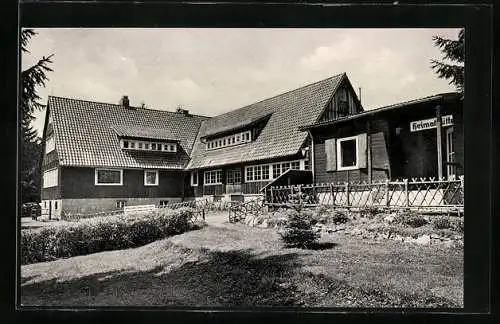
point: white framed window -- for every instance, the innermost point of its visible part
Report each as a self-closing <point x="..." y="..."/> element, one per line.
<point x="295" y="165"/>
<point x="347" y="153"/>
<point x="151" y="177"/>
<point x="276" y="170"/>
<point x="194" y="178"/>
<point x="139" y="145"/>
<point x="230" y="140"/>
<point x="257" y="172"/>
<point x="50" y="144"/>
<point x="233" y="176"/>
<point x="50" y="178"/>
<point x="108" y="177"/>
<point x="213" y="177"/>
<point x="266" y="172"/>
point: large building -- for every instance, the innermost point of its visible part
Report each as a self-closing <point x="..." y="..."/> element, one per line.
<point x="102" y="156"/>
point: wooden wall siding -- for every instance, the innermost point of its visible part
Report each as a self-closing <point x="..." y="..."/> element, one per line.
<point x="380" y="152"/>
<point x="216" y="190"/>
<point x="332" y="111"/>
<point x="246" y="187"/>
<point x="50" y="160"/>
<point x="233" y="188"/>
<point x="250" y="188"/>
<point x="79" y="183"/>
<point x="51" y="193"/>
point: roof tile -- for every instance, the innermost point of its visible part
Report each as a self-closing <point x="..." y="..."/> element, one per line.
<point x="85" y="134"/>
<point x="279" y="138"/>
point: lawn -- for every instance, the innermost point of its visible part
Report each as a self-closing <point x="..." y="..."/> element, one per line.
<point x="233" y="265"/>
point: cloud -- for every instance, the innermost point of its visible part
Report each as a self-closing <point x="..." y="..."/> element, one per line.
<point x="211" y="71"/>
<point x="323" y="55"/>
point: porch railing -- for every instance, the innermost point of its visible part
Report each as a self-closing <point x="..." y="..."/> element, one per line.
<point x="406" y="193"/>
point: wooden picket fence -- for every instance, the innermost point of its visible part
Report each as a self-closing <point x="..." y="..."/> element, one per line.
<point x="239" y="210"/>
<point x="415" y="193"/>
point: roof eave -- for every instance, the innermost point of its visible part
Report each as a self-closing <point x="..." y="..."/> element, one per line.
<point x="440" y="97"/>
<point x="238" y="127"/>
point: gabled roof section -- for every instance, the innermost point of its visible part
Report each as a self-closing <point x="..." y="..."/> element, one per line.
<point x="129" y="131"/>
<point x="442" y="97"/>
<point x="85" y="134"/>
<point x="279" y="138"/>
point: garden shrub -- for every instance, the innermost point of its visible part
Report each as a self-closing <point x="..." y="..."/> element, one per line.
<point x="339" y="217"/>
<point x="104" y="234"/>
<point x="410" y="218"/>
<point x="368" y="212"/>
<point x="415" y="221"/>
<point x="441" y="223"/>
<point x="298" y="230"/>
<point x="458" y="226"/>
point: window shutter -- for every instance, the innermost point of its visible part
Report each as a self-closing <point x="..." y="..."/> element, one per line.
<point x="362" y="150"/>
<point x="331" y="154"/>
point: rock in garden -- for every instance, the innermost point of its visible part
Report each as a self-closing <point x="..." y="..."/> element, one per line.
<point x="389" y="219"/>
<point x="423" y="240"/>
<point x="409" y="239"/>
<point x="263" y="224"/>
<point x="449" y="243"/>
<point x="435" y="236"/>
<point x="356" y="231"/>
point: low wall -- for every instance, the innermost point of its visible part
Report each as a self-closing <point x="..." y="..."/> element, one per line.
<point x="96" y="205"/>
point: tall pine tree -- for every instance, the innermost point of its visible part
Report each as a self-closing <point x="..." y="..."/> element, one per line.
<point x="31" y="78"/>
<point x="454" y="53"/>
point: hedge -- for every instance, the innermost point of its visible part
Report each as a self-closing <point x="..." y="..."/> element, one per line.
<point x="104" y="234"/>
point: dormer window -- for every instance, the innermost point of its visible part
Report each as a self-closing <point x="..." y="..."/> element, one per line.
<point x="230" y="140"/>
<point x="147" y="146"/>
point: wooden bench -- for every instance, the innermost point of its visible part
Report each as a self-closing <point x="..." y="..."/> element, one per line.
<point x="127" y="210"/>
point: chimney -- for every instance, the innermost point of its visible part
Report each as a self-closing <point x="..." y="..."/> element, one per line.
<point x="180" y="110"/>
<point x="125" y="102"/>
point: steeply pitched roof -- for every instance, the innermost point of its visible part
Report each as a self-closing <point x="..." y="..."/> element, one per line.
<point x="85" y="134"/>
<point x="280" y="137"/>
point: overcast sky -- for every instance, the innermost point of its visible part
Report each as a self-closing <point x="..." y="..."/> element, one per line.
<point x="211" y="71"/>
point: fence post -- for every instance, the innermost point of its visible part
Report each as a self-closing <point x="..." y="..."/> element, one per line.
<point x="347" y="192"/>
<point x="271" y="200"/>
<point x="300" y="194"/>
<point x="407" y="195"/>
<point x="387" y="192"/>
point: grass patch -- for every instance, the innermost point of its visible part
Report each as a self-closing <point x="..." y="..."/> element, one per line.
<point x="240" y="266"/>
<point x="103" y="234"/>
